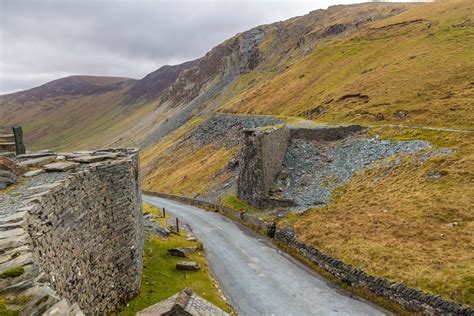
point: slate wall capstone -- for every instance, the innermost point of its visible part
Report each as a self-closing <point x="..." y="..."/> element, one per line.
<point x="412" y="299"/>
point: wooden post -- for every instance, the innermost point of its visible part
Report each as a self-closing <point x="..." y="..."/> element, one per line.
<point x="177" y="225"/>
<point x="164" y="213"/>
<point x="19" y="145"/>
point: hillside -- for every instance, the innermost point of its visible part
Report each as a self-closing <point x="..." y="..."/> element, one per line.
<point x="413" y="69"/>
<point x="405" y="71"/>
<point x="84" y="111"/>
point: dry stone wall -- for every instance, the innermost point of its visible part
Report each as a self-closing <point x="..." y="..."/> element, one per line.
<point x="263" y="152"/>
<point x="411" y="299"/>
<point x="82" y="241"/>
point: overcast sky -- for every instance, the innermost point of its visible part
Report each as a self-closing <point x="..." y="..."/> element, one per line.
<point x="42" y="40"/>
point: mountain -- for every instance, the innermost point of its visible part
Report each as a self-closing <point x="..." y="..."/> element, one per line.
<point x="403" y="70"/>
<point x="82" y="111"/>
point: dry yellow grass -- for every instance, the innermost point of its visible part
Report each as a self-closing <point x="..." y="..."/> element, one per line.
<point x="399" y="223"/>
<point x="185" y="172"/>
<point x="420" y="62"/>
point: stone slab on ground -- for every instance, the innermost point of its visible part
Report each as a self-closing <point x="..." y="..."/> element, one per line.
<point x="61" y="166"/>
<point x="182" y="252"/>
<point x="37" y="162"/>
<point x="187" y="266"/>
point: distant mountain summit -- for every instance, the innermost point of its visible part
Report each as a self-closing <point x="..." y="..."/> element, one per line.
<point x="69" y="86"/>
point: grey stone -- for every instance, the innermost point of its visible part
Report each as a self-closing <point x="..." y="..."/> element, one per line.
<point x="38" y="162"/>
<point x="34" y="155"/>
<point x="92" y="158"/>
<point x="33" y="173"/>
<point x="182" y="251"/>
<point x="187" y="266"/>
<point x="60" y="166"/>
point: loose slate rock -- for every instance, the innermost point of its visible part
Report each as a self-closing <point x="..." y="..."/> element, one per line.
<point x="187" y="266"/>
<point x="182" y="251"/>
<point x="7" y="178"/>
<point x="34" y="155"/>
<point x="33" y="173"/>
<point x="60" y="166"/>
<point x="38" y="162"/>
<point x="91" y="159"/>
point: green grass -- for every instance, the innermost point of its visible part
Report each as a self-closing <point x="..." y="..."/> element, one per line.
<point x="233" y="202"/>
<point x="4" y="311"/>
<point x="11" y="273"/>
<point x="160" y="279"/>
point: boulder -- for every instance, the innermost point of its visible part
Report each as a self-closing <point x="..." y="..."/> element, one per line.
<point x="11" y="165"/>
<point x="60" y="166"/>
<point x="182" y="251"/>
<point x="187" y="266"/>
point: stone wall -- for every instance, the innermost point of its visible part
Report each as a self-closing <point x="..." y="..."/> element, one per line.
<point x="84" y="240"/>
<point x="325" y="133"/>
<point x="411" y="299"/>
<point x="263" y="152"/>
<point x="261" y="158"/>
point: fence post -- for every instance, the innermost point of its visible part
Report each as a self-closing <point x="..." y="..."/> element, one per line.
<point x="177" y="225"/>
<point x="19" y="145"/>
<point x="164" y="213"/>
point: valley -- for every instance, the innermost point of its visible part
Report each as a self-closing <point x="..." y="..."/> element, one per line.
<point x="392" y="198"/>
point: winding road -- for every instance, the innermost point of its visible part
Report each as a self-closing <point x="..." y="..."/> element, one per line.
<point x="258" y="278"/>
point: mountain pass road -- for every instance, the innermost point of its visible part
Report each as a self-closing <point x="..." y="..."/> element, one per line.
<point x="256" y="277"/>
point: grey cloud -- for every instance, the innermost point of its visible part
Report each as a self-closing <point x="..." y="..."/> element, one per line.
<point x="45" y="40"/>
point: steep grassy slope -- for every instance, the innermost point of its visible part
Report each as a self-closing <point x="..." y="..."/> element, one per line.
<point x="414" y="68"/>
<point x="410" y="221"/>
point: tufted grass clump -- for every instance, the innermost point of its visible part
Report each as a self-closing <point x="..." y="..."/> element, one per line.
<point x="12" y="273"/>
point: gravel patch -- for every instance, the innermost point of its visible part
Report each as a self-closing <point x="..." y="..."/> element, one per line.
<point x="316" y="168"/>
<point x="227" y="128"/>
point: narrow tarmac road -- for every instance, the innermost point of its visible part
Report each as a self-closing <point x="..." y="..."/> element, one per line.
<point x="257" y="278"/>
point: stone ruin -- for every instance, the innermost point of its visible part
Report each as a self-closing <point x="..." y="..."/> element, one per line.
<point x="71" y="235"/>
<point x="263" y="152"/>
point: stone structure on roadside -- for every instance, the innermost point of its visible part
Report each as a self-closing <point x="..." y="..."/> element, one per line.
<point x="184" y="303"/>
<point x="71" y="235"/>
<point x="262" y="155"/>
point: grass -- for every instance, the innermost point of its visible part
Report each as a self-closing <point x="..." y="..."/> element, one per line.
<point x="187" y="172"/>
<point x="233" y="202"/>
<point x="395" y="221"/>
<point x="429" y="79"/>
<point x="4" y="311"/>
<point x="12" y="273"/>
<point x="160" y="279"/>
